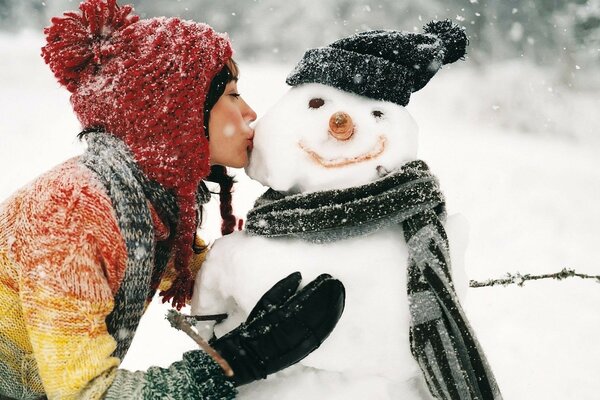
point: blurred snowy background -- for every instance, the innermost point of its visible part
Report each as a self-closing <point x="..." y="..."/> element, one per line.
<point x="542" y="56"/>
<point x="513" y="133"/>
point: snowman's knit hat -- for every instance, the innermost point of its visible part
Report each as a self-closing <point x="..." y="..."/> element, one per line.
<point x="144" y="81"/>
<point x="383" y="64"/>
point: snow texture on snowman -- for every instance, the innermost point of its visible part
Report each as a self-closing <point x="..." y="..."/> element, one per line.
<point x="348" y="197"/>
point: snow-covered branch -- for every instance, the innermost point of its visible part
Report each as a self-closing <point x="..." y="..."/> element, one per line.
<point x="519" y="279"/>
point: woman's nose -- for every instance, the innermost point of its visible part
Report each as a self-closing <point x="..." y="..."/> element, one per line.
<point x="249" y="114"/>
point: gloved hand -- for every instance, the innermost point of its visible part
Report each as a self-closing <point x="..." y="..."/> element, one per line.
<point x="284" y="327"/>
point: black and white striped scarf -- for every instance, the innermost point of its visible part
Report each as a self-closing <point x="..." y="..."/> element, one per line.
<point x="441" y="339"/>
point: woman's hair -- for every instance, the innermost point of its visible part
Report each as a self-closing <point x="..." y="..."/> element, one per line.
<point x="218" y="173"/>
<point x="229" y="72"/>
<point x="233" y="69"/>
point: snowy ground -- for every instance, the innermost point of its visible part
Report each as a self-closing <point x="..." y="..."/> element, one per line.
<point x="531" y="199"/>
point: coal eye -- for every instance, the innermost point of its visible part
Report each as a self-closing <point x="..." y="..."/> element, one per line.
<point x="316" y="102"/>
<point x="377" y="114"/>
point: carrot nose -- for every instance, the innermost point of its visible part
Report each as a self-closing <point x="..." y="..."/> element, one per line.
<point x="341" y="126"/>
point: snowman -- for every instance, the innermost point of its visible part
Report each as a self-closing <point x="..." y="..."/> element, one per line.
<point x="349" y="197"/>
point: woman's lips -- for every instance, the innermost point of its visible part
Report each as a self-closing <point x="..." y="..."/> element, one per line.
<point x="250" y="141"/>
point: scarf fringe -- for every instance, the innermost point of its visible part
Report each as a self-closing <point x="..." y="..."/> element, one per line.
<point x="180" y="291"/>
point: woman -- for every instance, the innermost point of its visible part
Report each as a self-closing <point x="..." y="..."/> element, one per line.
<point x="85" y="246"/>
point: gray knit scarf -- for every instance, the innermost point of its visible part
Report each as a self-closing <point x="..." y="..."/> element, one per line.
<point x="130" y="190"/>
<point x="441" y="339"/>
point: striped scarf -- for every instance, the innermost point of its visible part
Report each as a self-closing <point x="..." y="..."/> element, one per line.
<point x="441" y="339"/>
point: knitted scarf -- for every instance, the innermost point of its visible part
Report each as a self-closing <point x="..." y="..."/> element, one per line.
<point x="441" y="339"/>
<point x="129" y="190"/>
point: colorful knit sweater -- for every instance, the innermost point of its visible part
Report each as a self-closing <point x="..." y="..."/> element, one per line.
<point x="62" y="261"/>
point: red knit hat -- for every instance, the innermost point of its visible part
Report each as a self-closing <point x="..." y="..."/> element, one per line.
<point x="144" y="81"/>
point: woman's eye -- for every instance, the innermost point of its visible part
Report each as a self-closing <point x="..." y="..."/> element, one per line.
<point x="377" y="114"/>
<point x="316" y="103"/>
<point x="236" y="95"/>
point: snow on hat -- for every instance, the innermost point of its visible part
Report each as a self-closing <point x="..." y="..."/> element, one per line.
<point x="383" y="64"/>
<point x="144" y="81"/>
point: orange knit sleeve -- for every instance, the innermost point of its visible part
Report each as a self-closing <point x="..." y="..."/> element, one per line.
<point x="72" y="258"/>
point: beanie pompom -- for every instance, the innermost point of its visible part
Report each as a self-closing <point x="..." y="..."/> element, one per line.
<point x="452" y="36"/>
<point x="78" y="42"/>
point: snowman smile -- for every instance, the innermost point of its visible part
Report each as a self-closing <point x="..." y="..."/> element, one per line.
<point x="375" y="152"/>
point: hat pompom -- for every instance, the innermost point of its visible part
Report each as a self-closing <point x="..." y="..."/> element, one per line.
<point x="452" y="36"/>
<point x="78" y="42"/>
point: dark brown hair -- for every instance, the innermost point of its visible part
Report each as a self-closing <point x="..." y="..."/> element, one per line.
<point x="218" y="173"/>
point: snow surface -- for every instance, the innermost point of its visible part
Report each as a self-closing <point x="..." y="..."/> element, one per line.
<point x="531" y="201"/>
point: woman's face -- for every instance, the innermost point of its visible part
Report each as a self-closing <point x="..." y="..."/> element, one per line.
<point x="230" y="136"/>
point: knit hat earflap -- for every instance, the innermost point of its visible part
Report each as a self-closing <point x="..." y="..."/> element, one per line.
<point x="383" y="64"/>
<point x="144" y="81"/>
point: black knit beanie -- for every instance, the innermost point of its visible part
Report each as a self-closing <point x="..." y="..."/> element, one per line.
<point x="383" y="64"/>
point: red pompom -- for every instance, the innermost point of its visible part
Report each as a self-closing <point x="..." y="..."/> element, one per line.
<point x="77" y="43"/>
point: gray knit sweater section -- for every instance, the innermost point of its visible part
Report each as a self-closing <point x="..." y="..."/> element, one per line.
<point x="111" y="161"/>
<point x="197" y="375"/>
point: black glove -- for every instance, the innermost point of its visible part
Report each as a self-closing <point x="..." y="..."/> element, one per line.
<point x="284" y="327"/>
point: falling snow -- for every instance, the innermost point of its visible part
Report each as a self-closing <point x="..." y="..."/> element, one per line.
<point x="502" y="172"/>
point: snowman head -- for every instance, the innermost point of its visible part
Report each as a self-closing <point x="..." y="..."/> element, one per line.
<point x="345" y="115"/>
<point x="318" y="138"/>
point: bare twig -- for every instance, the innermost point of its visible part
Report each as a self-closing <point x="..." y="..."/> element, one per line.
<point x="209" y="317"/>
<point x="179" y="321"/>
<point x="519" y="279"/>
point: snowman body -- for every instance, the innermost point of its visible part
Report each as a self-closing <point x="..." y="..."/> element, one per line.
<point x="320" y="138"/>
